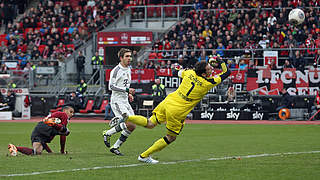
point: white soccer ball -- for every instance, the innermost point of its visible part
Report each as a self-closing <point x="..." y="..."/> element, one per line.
<point x="296" y="16"/>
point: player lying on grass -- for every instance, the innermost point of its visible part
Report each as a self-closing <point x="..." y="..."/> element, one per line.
<point x="176" y="106"/>
<point x="45" y="131"/>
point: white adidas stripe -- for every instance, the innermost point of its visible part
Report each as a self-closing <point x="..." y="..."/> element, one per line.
<point x="173" y="162"/>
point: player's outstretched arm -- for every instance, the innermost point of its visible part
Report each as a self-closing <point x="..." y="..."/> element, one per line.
<point x="225" y="71"/>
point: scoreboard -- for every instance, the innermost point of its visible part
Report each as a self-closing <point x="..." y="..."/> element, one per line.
<point x="135" y="38"/>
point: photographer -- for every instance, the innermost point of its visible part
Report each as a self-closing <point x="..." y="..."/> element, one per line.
<point x="9" y="102"/>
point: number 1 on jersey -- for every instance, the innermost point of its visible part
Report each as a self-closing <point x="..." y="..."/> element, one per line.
<point x="190" y="89"/>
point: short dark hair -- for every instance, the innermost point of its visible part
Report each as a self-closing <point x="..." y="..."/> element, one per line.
<point x="67" y="107"/>
<point x="200" y="67"/>
<point x="123" y="51"/>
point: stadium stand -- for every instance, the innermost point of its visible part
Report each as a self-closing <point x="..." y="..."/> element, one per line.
<point x="48" y="33"/>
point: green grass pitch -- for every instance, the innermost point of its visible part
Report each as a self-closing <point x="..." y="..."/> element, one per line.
<point x="197" y="143"/>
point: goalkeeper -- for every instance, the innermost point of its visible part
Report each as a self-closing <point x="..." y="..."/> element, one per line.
<point x="177" y="105"/>
<point x="45" y="131"/>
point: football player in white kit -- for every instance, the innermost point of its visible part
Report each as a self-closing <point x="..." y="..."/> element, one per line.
<point x="119" y="84"/>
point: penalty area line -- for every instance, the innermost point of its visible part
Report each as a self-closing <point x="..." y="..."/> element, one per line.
<point x="172" y="162"/>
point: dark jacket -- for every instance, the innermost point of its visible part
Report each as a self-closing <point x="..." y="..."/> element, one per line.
<point x="75" y="102"/>
<point x="11" y="101"/>
<point x="287" y="100"/>
<point x="80" y="61"/>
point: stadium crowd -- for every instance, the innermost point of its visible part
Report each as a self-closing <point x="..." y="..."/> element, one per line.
<point x="238" y="24"/>
<point x="53" y="29"/>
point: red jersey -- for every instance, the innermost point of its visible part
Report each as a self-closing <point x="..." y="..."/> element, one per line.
<point x="61" y="115"/>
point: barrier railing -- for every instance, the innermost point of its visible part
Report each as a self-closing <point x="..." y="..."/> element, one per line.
<point x="256" y="56"/>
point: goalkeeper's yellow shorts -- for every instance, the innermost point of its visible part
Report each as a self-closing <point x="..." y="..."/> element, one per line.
<point x="162" y="115"/>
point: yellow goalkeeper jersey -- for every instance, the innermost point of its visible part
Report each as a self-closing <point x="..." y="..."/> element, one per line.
<point x="191" y="90"/>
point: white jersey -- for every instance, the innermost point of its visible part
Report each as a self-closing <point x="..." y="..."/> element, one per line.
<point x="120" y="79"/>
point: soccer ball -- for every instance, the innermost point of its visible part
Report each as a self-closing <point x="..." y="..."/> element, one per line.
<point x="296" y="16"/>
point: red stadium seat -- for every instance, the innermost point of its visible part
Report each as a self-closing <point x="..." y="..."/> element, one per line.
<point x="89" y="107"/>
<point x="3" y="36"/>
<point x="102" y="107"/>
<point x="170" y="11"/>
<point x="158" y="11"/>
<point x="150" y="11"/>
<point x="60" y="103"/>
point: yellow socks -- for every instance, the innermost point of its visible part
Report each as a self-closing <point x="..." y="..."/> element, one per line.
<point x="138" y="120"/>
<point x="157" y="146"/>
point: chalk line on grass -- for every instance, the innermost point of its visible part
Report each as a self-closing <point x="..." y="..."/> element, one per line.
<point x="172" y="162"/>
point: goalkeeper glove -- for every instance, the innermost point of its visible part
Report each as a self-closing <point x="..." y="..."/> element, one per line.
<point x="215" y="61"/>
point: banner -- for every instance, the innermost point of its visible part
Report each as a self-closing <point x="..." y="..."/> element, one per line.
<point x="137" y="75"/>
<point x="17" y="91"/>
<point x="21" y="106"/>
<point x="231" y="115"/>
<point x="164" y="72"/>
<point x="45" y="70"/>
<point x="296" y="82"/>
<point x="11" y="65"/>
<point x="270" y="57"/>
<point x="238" y="76"/>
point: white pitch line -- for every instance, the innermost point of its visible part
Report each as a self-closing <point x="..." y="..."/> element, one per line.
<point x="173" y="162"/>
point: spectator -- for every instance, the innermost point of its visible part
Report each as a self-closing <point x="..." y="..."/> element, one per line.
<point x="192" y="60"/>
<point x="287" y="64"/>
<point x="298" y="61"/>
<point x="264" y="41"/>
<point x="82" y="87"/>
<point x="316" y="106"/>
<point x="72" y="29"/>
<point x="77" y="41"/>
<point x="134" y="61"/>
<point x="243" y="65"/>
<point x="317" y="58"/>
<point x="272" y="20"/>
<point x="74" y="101"/>
<point x="3" y="69"/>
<point x="181" y="61"/>
<point x="97" y="62"/>
<point x="206" y="32"/>
<point x="286" y="100"/>
<point x="12" y="85"/>
<point x="9" y="102"/>
<point x="91" y="3"/>
<point x="80" y="61"/>
<point x="158" y="92"/>
<point x="231" y="94"/>
<point x="220" y="52"/>
<point x="108" y="111"/>
<point x="1" y="98"/>
<point x="35" y="54"/>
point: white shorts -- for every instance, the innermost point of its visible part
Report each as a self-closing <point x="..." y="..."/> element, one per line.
<point x="120" y="108"/>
